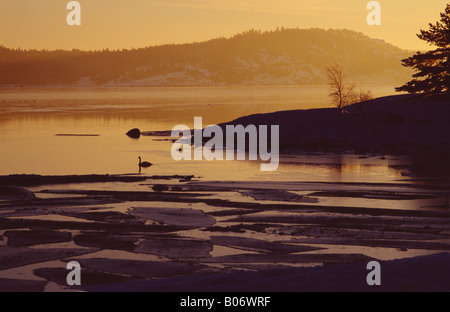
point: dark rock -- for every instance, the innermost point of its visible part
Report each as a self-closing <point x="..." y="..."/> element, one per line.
<point x="107" y="216"/>
<point x="36" y="180"/>
<point x="29" y="238"/>
<point x="160" y="188"/>
<point x="134" y="133"/>
<point x="186" y="218"/>
<point x="230" y="228"/>
<point x="105" y="241"/>
<point x="13" y="257"/>
<point x="88" y="277"/>
<point x="137" y="268"/>
<point x="186" y="178"/>
<point x="176" y="248"/>
<point x="12" y="192"/>
<point x="20" y="285"/>
<point x="258" y="245"/>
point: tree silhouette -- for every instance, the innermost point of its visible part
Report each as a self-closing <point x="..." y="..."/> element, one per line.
<point x="341" y="91"/>
<point x="433" y="74"/>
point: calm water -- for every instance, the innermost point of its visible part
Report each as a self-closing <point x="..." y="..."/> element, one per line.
<point x="31" y="119"/>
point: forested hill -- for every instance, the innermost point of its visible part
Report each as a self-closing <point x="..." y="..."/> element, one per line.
<point x="284" y="56"/>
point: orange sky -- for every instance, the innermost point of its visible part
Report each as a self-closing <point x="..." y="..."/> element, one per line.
<point x="117" y="24"/>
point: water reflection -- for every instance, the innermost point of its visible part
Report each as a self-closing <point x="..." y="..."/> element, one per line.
<point x="31" y="145"/>
<point x="31" y="119"/>
<point x="342" y="168"/>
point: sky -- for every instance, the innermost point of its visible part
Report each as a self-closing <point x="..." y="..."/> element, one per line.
<point x="126" y="24"/>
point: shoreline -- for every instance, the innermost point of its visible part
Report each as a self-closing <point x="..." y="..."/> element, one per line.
<point x="204" y="231"/>
<point x="396" y="125"/>
<point x="391" y="125"/>
<point x="132" y="232"/>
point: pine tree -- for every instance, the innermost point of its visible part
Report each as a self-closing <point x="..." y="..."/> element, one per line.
<point x="433" y="67"/>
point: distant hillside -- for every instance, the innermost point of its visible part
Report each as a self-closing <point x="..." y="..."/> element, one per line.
<point x="286" y="56"/>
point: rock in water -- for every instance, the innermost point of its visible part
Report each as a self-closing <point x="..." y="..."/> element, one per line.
<point x="134" y="133"/>
<point x="160" y="188"/>
<point x="11" y="192"/>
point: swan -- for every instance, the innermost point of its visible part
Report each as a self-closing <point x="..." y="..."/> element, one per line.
<point x="144" y="163"/>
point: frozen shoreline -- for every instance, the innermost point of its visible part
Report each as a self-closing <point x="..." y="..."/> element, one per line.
<point x="202" y="232"/>
<point x="418" y="274"/>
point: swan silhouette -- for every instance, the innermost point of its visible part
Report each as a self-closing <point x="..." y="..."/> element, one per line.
<point x="144" y="164"/>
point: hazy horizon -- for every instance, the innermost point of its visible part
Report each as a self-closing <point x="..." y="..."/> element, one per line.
<point x="116" y="24"/>
<point x="243" y="32"/>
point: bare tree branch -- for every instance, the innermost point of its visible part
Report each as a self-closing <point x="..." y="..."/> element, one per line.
<point x="342" y="92"/>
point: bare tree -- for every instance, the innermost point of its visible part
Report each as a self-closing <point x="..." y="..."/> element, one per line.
<point x="365" y="95"/>
<point x="341" y="91"/>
